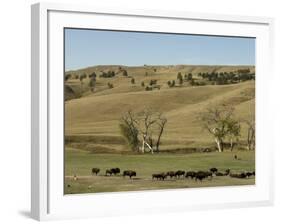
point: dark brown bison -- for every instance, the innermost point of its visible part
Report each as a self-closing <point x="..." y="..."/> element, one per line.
<point x="227" y="172"/>
<point x="95" y="171"/>
<point x="108" y="172"/>
<point x="171" y="174"/>
<point x="179" y="173"/>
<point x="129" y="173"/>
<point x="115" y="171"/>
<point x="238" y="175"/>
<point x="219" y="174"/>
<point x="159" y="176"/>
<point x="201" y="175"/>
<point x="249" y="174"/>
<point x="214" y="170"/>
<point x="190" y="174"/>
<point x="112" y="171"/>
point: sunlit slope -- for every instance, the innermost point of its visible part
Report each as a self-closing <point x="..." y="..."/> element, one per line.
<point x="98" y="115"/>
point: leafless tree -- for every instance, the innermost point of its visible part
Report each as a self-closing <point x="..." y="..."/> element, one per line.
<point x="215" y="119"/>
<point x="146" y="119"/>
<point x="129" y="130"/>
<point x="148" y="125"/>
<point x="161" y="124"/>
<point x="251" y="136"/>
<point x="233" y="129"/>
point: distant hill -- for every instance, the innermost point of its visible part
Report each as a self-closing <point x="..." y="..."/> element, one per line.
<point x="92" y="117"/>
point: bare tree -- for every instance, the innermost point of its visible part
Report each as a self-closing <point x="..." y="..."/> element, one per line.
<point x="128" y="127"/>
<point x="148" y="125"/>
<point x="161" y="124"/>
<point x="251" y="136"/>
<point x="147" y="118"/>
<point x="233" y="129"/>
<point x="215" y="120"/>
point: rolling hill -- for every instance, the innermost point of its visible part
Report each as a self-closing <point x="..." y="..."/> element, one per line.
<point x="92" y="118"/>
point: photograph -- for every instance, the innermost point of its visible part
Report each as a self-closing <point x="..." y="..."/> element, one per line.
<point x="157" y="111"/>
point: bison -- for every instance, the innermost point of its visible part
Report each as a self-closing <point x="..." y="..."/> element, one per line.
<point x="115" y="171"/>
<point x="179" y="173"/>
<point x="190" y="174"/>
<point x="95" y="170"/>
<point x="171" y="174"/>
<point x="201" y="175"/>
<point x="219" y="174"/>
<point x="161" y="176"/>
<point x="108" y="172"/>
<point x="238" y="175"/>
<point x="129" y="173"/>
<point x="214" y="170"/>
<point x="227" y="172"/>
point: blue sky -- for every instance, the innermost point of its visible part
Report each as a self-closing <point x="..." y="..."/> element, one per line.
<point x="84" y="48"/>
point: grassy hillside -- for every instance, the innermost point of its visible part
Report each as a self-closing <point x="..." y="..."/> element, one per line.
<point x="97" y="114"/>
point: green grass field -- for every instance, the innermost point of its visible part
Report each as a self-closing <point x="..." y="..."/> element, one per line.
<point x="80" y="163"/>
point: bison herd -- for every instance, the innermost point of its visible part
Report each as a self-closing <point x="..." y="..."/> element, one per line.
<point x="195" y="175"/>
<point x="115" y="171"/>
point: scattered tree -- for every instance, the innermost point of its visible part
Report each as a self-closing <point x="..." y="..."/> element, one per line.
<point x="125" y="73"/>
<point x="189" y="77"/>
<point x="83" y="76"/>
<point x="180" y="78"/>
<point x="110" y="85"/>
<point x="92" y="83"/>
<point x="153" y="82"/>
<point x="133" y="81"/>
<point x="67" y="77"/>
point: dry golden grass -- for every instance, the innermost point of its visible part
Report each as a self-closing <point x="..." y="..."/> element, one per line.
<point x="98" y="114"/>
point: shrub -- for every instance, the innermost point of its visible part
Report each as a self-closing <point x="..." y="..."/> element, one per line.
<point x="110" y="85"/>
<point x="148" y="88"/>
<point x="133" y="81"/>
<point x="125" y="73"/>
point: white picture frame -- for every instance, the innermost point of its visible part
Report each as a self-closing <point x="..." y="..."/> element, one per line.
<point x="48" y="201"/>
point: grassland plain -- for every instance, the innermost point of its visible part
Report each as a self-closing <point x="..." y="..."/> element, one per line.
<point x="93" y="139"/>
<point x="80" y="162"/>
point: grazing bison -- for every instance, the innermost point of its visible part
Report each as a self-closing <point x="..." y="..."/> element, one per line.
<point x="227" y="172"/>
<point x="112" y="171"/>
<point x="159" y="176"/>
<point x="201" y="175"/>
<point x="249" y="174"/>
<point x="171" y="174"/>
<point x="238" y="175"/>
<point x="236" y="157"/>
<point x="219" y="174"/>
<point x="179" y="173"/>
<point x="115" y="171"/>
<point x="108" y="172"/>
<point x="190" y="174"/>
<point x="129" y="173"/>
<point x="214" y="170"/>
<point x="95" y="170"/>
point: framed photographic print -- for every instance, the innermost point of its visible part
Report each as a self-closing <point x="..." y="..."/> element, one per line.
<point x="138" y="111"/>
